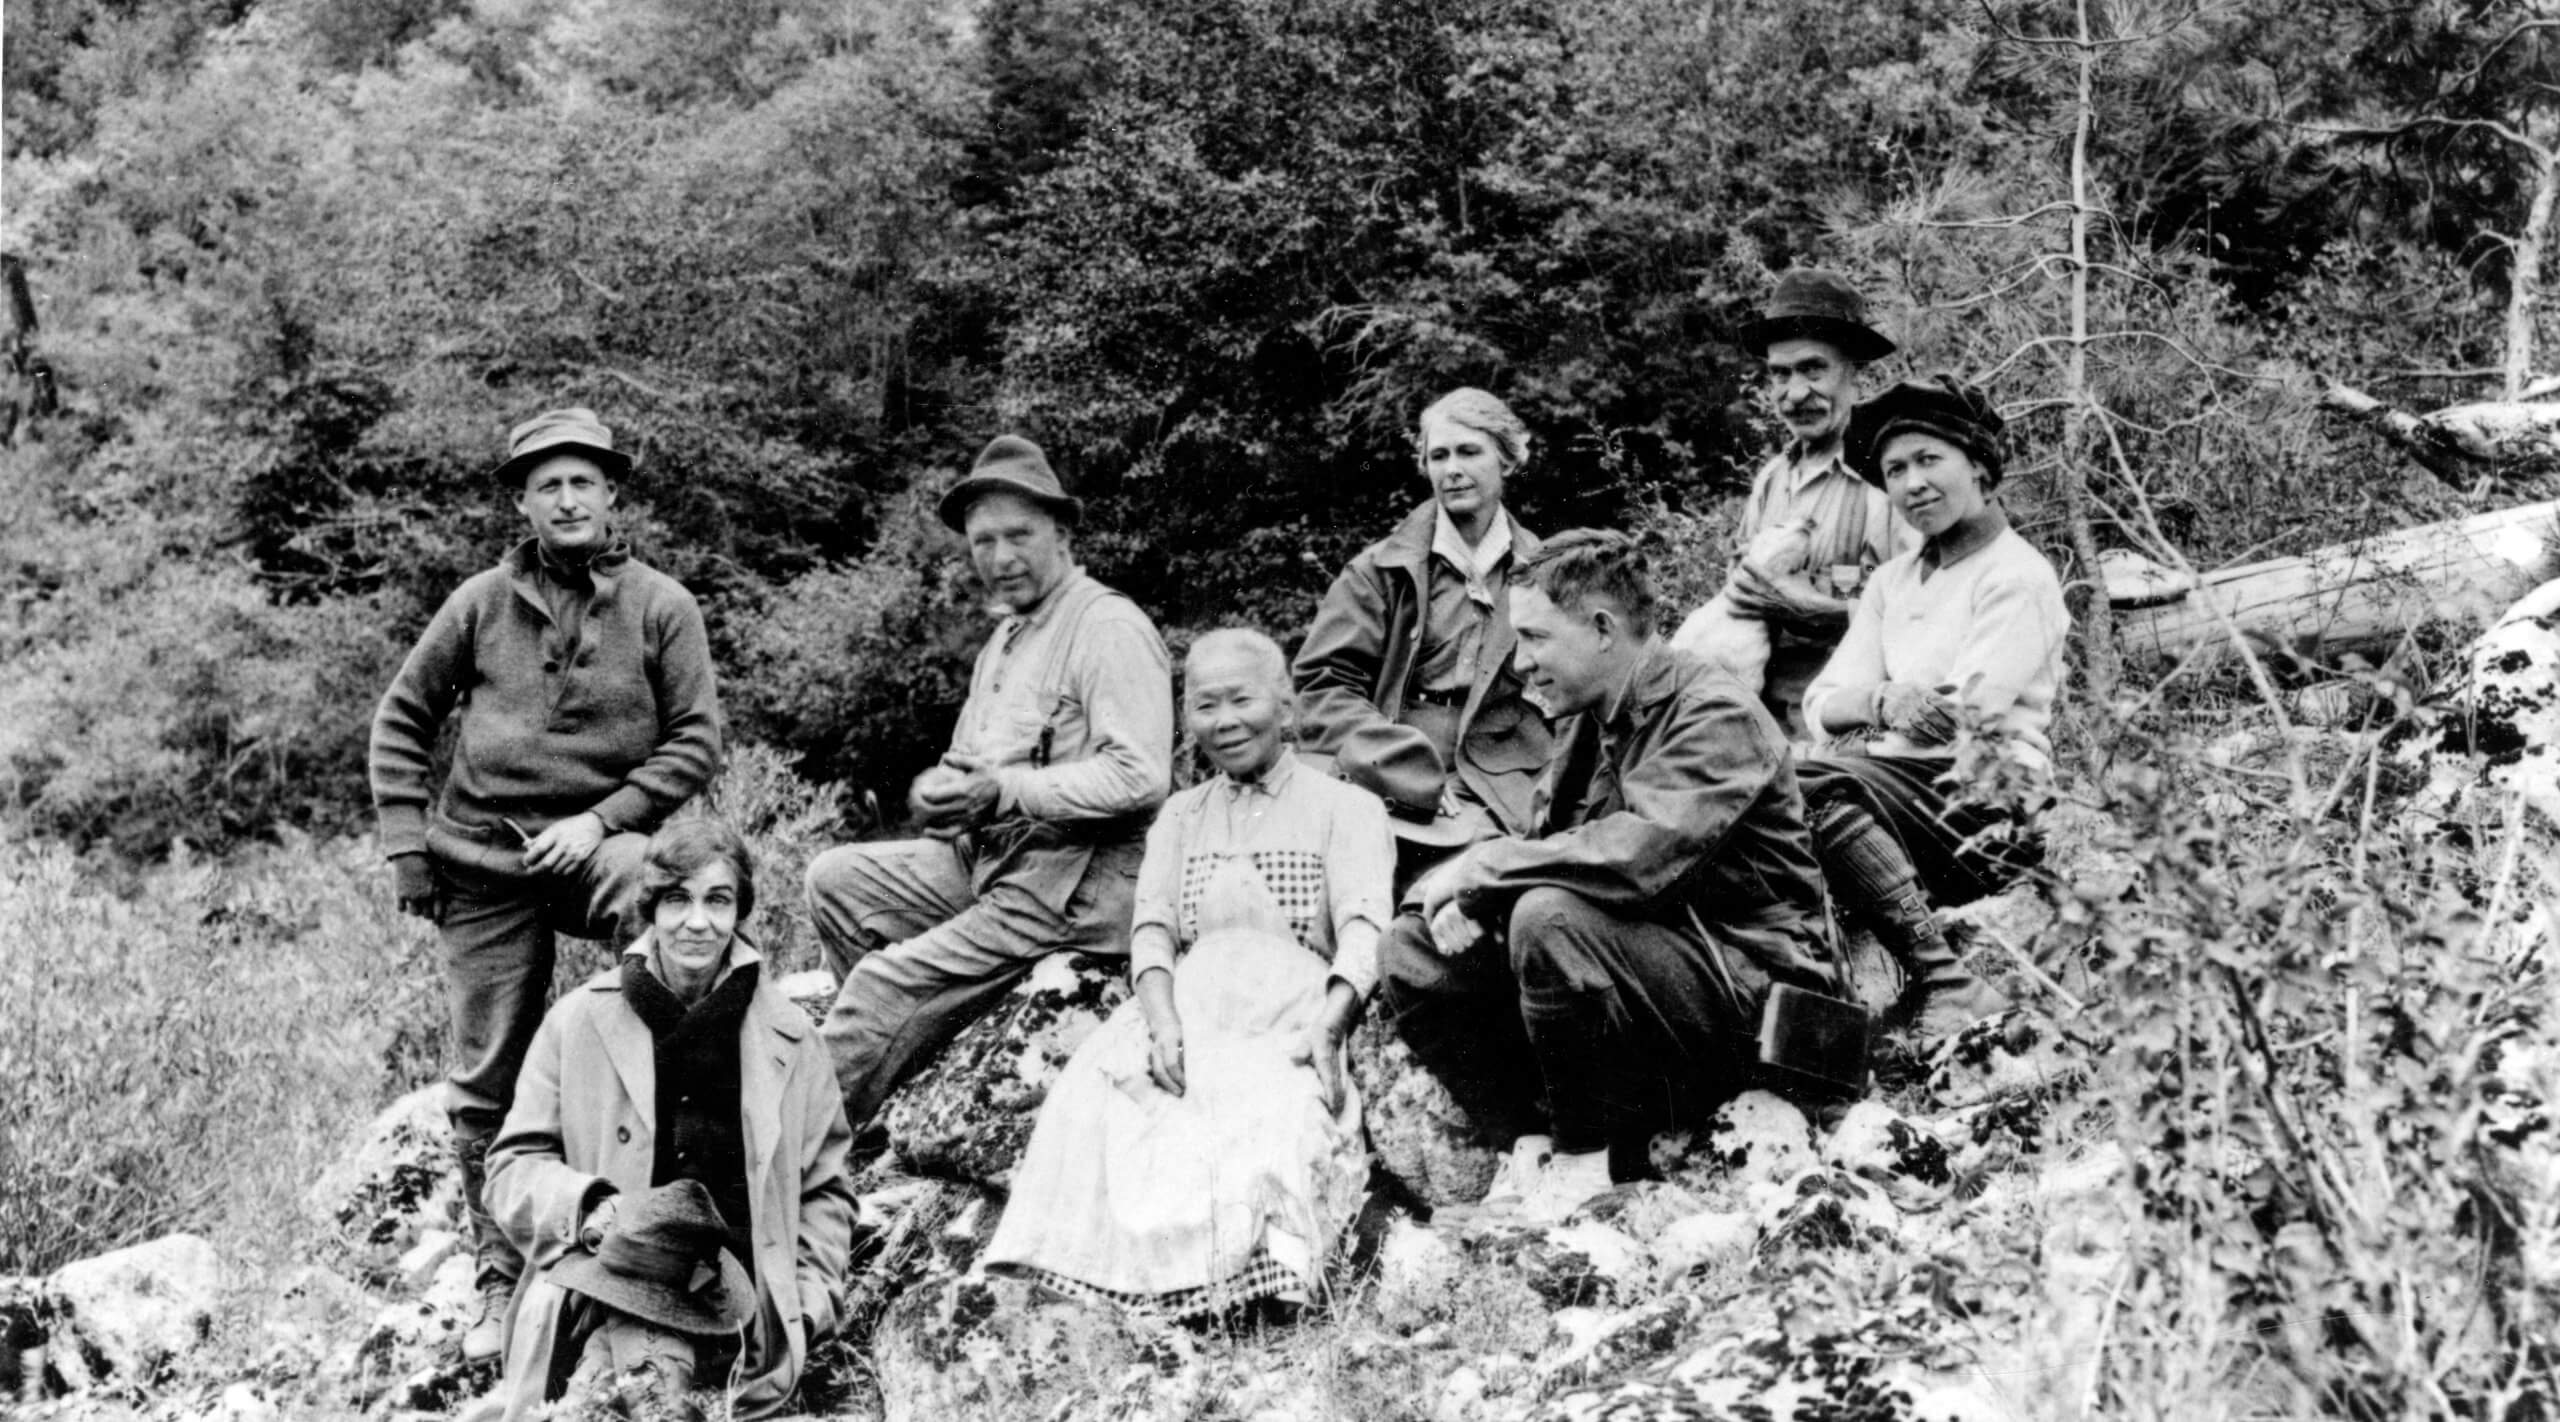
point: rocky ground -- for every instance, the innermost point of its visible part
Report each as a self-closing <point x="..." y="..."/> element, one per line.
<point x="1932" y="1252"/>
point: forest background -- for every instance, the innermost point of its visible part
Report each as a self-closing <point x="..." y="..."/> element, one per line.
<point x="298" y="264"/>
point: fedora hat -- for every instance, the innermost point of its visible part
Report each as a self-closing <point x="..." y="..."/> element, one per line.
<point x="1010" y="464"/>
<point x="1812" y="304"/>
<point x="1941" y="405"/>
<point x="1398" y="766"/>
<point x="665" y="1261"/>
<point x="575" y="430"/>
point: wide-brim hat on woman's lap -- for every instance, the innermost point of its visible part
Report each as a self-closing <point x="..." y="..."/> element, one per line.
<point x="575" y="430"/>
<point x="1943" y="405"/>
<point x="665" y="1261"/>
<point x="1812" y="304"/>
<point x="1010" y="464"/>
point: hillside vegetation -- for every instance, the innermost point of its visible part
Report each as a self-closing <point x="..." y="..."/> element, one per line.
<point x="298" y="264"/>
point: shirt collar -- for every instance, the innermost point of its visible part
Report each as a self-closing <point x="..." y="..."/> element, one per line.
<point x="1479" y="562"/>
<point x="1938" y="555"/>
<point x="1804" y="471"/>
<point x="1016" y="622"/>
<point x="1273" y="783"/>
<point x="1621" y="700"/>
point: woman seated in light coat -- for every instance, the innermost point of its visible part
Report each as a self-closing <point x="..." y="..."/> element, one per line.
<point x="1202" y="1149"/>
<point x="1967" y="628"/>
<point x="673" y="1085"/>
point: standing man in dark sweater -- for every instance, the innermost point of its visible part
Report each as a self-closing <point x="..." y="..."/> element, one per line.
<point x="582" y="679"/>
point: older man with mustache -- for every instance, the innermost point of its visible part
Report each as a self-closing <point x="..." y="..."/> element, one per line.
<point x="1814" y="342"/>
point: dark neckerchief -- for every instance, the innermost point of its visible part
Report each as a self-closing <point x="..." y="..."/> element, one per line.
<point x="667" y="1017"/>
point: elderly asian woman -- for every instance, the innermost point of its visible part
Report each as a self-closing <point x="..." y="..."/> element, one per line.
<point x="1968" y="627"/>
<point x="1202" y="1149"/>
<point x="674" y="1166"/>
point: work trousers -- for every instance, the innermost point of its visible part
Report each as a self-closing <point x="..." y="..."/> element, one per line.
<point x="498" y="925"/>
<point x="1625" y="1023"/>
<point x="923" y="949"/>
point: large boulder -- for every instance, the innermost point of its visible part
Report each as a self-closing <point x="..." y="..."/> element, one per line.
<point x="969" y="1113"/>
<point x="994" y="1347"/>
<point x="126" y="1316"/>
<point x="1418" y="1131"/>
<point x="397" y="1182"/>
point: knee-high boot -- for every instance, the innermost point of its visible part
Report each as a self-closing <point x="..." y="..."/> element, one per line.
<point x="1872" y="878"/>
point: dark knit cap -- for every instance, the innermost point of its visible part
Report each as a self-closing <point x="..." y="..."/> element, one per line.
<point x="1010" y="464"/>
<point x="574" y="430"/>
<point x="1942" y="405"/>
<point x="1812" y="304"/>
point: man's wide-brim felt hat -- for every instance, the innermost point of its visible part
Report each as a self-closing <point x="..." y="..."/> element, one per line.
<point x="575" y="430"/>
<point x="665" y="1262"/>
<point x="1400" y="768"/>
<point x="1942" y="405"/>
<point x="1811" y="304"/>
<point x="1009" y="464"/>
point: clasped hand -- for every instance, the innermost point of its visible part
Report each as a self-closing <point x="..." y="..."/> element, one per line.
<point x="1754" y="593"/>
<point x="1453" y="931"/>
<point x="1920" y="715"/>
<point x="566" y="844"/>
<point x="954" y="797"/>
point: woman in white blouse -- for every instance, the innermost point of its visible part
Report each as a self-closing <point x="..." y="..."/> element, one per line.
<point x="1203" y="1149"/>
<point x="1967" y="630"/>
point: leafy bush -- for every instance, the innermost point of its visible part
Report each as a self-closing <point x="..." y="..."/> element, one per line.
<point x="2324" y="1035"/>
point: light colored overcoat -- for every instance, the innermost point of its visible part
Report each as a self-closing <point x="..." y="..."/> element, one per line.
<point x="585" y="1115"/>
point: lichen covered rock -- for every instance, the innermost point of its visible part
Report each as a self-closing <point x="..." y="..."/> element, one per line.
<point x="398" y="1182"/>
<point x="1756" y="1137"/>
<point x="1418" y="1131"/>
<point x="127" y="1315"/>
<point x="969" y="1113"/>
<point x="1878" y="1144"/>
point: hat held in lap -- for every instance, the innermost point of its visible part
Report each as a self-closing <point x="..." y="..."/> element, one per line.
<point x="664" y="1262"/>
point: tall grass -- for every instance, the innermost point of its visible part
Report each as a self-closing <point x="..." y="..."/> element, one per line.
<point x="183" y="1047"/>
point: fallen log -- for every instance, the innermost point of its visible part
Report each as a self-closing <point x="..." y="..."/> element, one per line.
<point x="2463" y="443"/>
<point x="2351" y="595"/>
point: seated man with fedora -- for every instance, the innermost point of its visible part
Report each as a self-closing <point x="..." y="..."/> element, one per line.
<point x="1033" y="822"/>
<point x="1405" y="682"/>
<point x="581" y="681"/>
<point x="1814" y="344"/>
<point x="1602" y="974"/>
